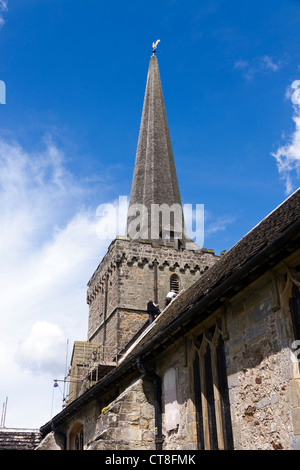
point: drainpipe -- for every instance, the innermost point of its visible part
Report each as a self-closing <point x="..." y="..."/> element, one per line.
<point x="157" y="402"/>
<point x="155" y="289"/>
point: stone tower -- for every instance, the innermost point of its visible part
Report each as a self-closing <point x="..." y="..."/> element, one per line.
<point x="144" y="265"/>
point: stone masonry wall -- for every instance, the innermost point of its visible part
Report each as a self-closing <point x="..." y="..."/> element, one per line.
<point x="264" y="393"/>
<point x="178" y="415"/>
<point x="129" y="323"/>
<point x="128" y="422"/>
<point x="260" y="371"/>
<point x="263" y="388"/>
<point x="129" y="266"/>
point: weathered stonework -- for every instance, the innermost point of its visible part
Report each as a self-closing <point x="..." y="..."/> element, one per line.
<point x="261" y="373"/>
<point x="126" y="278"/>
<point x="180" y="434"/>
<point x="216" y="369"/>
<point x="128" y="422"/>
<point x="51" y="442"/>
<point x="261" y="378"/>
<point x="263" y="381"/>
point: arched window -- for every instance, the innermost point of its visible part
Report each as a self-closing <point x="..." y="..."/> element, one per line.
<point x="76" y="437"/>
<point x="174" y="283"/>
<point x="213" y="420"/>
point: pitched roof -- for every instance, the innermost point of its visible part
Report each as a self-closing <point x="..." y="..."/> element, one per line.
<point x="19" y="439"/>
<point x="273" y="239"/>
<point x="259" y="250"/>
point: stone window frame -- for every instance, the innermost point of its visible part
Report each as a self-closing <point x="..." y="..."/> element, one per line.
<point x="295" y="311"/>
<point x="76" y="436"/>
<point x="285" y="281"/>
<point x="213" y="417"/>
<point x="286" y="288"/>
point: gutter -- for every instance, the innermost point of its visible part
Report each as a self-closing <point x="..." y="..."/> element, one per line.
<point x="261" y="257"/>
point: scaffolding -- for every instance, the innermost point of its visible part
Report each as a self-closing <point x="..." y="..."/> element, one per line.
<point x="90" y="362"/>
<point x="99" y="362"/>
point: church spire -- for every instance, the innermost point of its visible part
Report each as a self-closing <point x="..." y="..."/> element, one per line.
<point x="154" y="179"/>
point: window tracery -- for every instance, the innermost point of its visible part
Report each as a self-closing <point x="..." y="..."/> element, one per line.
<point x="214" y="428"/>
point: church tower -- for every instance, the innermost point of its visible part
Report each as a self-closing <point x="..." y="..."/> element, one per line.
<point x="156" y="254"/>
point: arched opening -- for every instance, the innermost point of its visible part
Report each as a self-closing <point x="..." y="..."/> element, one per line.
<point x="76" y="437"/>
<point x="211" y="394"/>
<point x="174" y="283"/>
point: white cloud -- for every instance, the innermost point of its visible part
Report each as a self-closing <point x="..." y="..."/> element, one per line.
<point x="268" y="63"/>
<point x="43" y="348"/>
<point x="48" y="249"/>
<point x="3" y="8"/>
<point x="288" y="156"/>
<point x="217" y="224"/>
<point x="259" y="65"/>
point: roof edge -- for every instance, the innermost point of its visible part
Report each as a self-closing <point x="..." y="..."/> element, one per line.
<point x="183" y="317"/>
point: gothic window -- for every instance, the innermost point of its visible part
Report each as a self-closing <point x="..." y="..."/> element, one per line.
<point x="76" y="437"/>
<point x="213" y="420"/>
<point x="174" y="283"/>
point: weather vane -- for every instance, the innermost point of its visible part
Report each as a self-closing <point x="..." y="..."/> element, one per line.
<point x="154" y="46"/>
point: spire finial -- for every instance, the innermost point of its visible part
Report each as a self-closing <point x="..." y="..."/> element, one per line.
<point x="154" y="46"/>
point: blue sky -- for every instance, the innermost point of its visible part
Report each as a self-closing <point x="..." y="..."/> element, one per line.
<point x="75" y="74"/>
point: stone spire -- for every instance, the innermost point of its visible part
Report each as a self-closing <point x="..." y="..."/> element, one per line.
<point x="154" y="178"/>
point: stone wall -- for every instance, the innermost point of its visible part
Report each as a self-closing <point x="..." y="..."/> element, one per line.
<point x="260" y="370"/>
<point x="263" y="383"/>
<point x="128" y="422"/>
<point x="178" y="416"/>
<point x="87" y="417"/>
<point x="128" y="272"/>
<point x="130" y="321"/>
<point x="51" y="442"/>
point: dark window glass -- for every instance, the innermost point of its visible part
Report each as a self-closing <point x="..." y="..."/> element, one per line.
<point x="198" y="403"/>
<point x="224" y="394"/>
<point x="207" y="363"/>
<point x="209" y="392"/>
